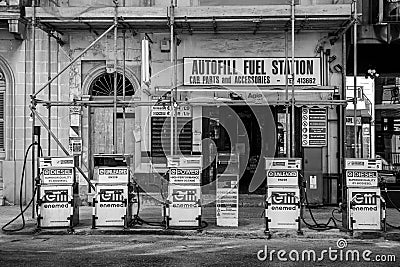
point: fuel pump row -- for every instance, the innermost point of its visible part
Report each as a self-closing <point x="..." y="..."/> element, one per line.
<point x="116" y="200"/>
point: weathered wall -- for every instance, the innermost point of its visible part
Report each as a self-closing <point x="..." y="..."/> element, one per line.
<point x="18" y="126"/>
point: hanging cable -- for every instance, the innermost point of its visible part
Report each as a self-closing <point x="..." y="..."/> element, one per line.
<point x="318" y="226"/>
<point x="22" y="210"/>
<point x="137" y="220"/>
<point x="394" y="205"/>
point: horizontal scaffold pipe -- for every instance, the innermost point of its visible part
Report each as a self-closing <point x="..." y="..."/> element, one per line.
<point x="191" y="20"/>
<point x="205" y="102"/>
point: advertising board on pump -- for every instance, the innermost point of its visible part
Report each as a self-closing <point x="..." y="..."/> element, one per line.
<point x="283" y="207"/>
<point x="364" y="208"/>
<point x="111" y="205"/>
<point x="185" y="204"/>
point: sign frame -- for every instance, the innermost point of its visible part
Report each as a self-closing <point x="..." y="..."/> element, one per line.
<point x="267" y="81"/>
<point x="314" y="135"/>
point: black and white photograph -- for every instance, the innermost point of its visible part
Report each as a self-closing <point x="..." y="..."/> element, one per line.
<point x="199" y="133"/>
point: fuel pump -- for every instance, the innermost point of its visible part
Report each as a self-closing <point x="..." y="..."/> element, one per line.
<point x="282" y="200"/>
<point x="183" y="207"/>
<point x="114" y="198"/>
<point x="58" y="196"/>
<point x="366" y="209"/>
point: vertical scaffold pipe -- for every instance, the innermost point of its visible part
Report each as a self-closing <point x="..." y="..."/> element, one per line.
<point x="115" y="132"/>
<point x="355" y="79"/>
<point x="287" y="135"/>
<point x="33" y="93"/>
<point x="172" y="60"/>
<point x="292" y="71"/>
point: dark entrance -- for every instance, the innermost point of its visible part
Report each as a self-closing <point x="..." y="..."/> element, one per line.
<point x="248" y="131"/>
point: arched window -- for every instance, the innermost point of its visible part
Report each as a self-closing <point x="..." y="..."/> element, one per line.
<point x="103" y="85"/>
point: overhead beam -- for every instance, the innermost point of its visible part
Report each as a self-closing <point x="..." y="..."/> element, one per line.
<point x="151" y="13"/>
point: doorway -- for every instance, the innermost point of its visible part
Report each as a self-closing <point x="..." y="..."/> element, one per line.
<point x="247" y="131"/>
<point x="101" y="119"/>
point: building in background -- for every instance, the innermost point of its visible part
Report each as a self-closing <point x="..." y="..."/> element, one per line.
<point x="242" y="112"/>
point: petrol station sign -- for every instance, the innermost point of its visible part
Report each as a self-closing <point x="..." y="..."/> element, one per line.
<point x="267" y="71"/>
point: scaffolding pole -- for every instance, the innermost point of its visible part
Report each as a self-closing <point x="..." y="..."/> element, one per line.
<point x="49" y="96"/>
<point x="355" y="79"/>
<point x="172" y="60"/>
<point x="292" y="71"/>
<point x="287" y="132"/>
<point x="115" y="132"/>
<point x="33" y="92"/>
<point x="123" y="89"/>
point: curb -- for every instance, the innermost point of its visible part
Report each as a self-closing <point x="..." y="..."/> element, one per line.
<point x="216" y="232"/>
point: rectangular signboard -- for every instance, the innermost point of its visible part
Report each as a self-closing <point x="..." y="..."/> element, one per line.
<point x="314" y="127"/>
<point x="283" y="207"/>
<point x="364" y="207"/>
<point x="282" y="178"/>
<point x="185" y="161"/>
<point x="362" y="164"/>
<point x="282" y="163"/>
<point x="200" y="71"/>
<point x="58" y="175"/>
<point x="56" y="162"/>
<point x="112" y="174"/>
<point x="361" y="178"/>
<point x="227" y="200"/>
<point x="184" y="175"/>
<point x="184" y="207"/>
<point x="165" y="111"/>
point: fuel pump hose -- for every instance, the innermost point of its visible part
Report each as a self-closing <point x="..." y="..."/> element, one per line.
<point x="22" y="210"/>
